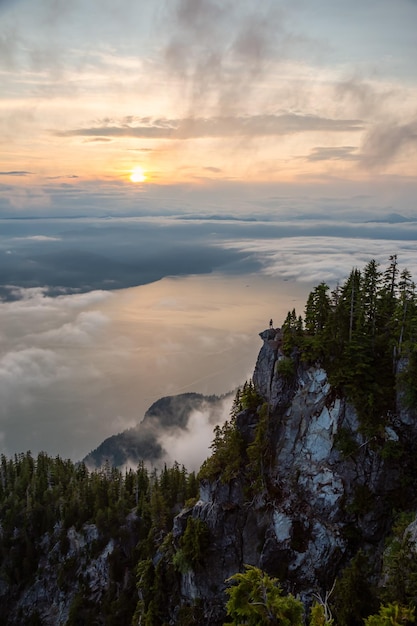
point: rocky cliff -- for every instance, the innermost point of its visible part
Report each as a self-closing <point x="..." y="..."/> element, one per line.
<point x="327" y="488"/>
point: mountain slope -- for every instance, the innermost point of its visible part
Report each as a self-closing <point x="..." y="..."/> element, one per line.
<point x="167" y="416"/>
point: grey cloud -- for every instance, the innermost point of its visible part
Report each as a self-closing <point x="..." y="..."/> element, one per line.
<point x="62" y="177"/>
<point x="82" y="331"/>
<point x="6" y="3"/>
<point x="220" y="50"/>
<point x="9" y="43"/>
<point x="26" y="370"/>
<point x="40" y="238"/>
<point x="384" y="142"/>
<point x="175" y="428"/>
<point x="98" y="140"/>
<point x="314" y="259"/>
<point x="76" y="369"/>
<point x="364" y="97"/>
<point x="91" y="254"/>
<point x="341" y="153"/>
<point x="228" y="126"/>
<point x="16" y="173"/>
<point x="214" y="170"/>
<point x="81" y="255"/>
<point x="192" y="445"/>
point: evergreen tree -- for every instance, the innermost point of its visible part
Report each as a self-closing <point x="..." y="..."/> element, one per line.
<point x="255" y="599"/>
<point x="354" y="598"/>
<point x="392" y="615"/>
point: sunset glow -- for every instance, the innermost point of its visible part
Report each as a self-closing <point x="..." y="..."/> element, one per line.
<point x="233" y="104"/>
<point x="138" y="175"/>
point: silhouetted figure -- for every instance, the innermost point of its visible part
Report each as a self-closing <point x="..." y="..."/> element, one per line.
<point x="271" y="323"/>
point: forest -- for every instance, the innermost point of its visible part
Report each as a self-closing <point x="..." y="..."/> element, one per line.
<point x="360" y="332"/>
<point x="42" y="498"/>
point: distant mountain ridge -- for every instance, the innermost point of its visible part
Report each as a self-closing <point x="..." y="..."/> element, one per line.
<point x="392" y="218"/>
<point x="142" y="442"/>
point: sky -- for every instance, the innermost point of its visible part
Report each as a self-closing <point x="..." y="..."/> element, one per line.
<point x="205" y="94"/>
<point x="180" y="151"/>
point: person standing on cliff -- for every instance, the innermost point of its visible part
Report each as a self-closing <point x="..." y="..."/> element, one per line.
<point x="271" y="323"/>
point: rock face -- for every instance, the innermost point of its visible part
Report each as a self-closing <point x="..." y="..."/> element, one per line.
<point x="326" y="490"/>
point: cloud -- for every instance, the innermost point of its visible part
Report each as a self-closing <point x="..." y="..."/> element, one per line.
<point x="83" y="331"/>
<point x="99" y="140"/>
<point x="316" y="259"/>
<point x="37" y="238"/>
<point x="190" y="446"/>
<point x="77" y="369"/>
<point x="243" y="126"/>
<point x="385" y="141"/>
<point x="341" y="153"/>
<point x="27" y="369"/>
<point x="60" y="177"/>
<point x="389" y="111"/>
<point x="366" y="98"/>
<point x="220" y="52"/>
<point x="80" y="255"/>
<point x="213" y="170"/>
<point x="44" y="343"/>
<point x="16" y="173"/>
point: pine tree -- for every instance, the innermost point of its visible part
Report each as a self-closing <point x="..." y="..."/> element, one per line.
<point x="255" y="599"/>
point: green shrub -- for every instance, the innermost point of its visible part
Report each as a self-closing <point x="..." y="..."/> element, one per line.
<point x="285" y="367"/>
<point x="193" y="544"/>
<point x="345" y="442"/>
<point x="256" y="599"/>
<point x="392" y="615"/>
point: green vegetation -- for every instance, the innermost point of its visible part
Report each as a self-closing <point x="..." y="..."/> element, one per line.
<point x="400" y="565"/>
<point x="255" y="599"/>
<point x="226" y="458"/>
<point x="354" y="596"/>
<point x="228" y="447"/>
<point x="285" y="367"/>
<point x="319" y="615"/>
<point x="193" y="544"/>
<point x="42" y="498"/>
<point x="359" y="333"/>
<point x="232" y="456"/>
<point x="392" y="615"/>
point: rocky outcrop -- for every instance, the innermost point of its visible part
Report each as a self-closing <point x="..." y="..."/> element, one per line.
<point x="327" y="489"/>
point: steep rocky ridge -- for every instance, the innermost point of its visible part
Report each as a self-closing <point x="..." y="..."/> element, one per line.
<point x="328" y="489"/>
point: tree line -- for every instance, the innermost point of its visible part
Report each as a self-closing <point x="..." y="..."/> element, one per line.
<point x="43" y="497"/>
<point x="360" y="333"/>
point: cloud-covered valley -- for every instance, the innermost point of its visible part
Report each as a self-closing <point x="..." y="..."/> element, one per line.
<point x="76" y="369"/>
<point x="83" y="359"/>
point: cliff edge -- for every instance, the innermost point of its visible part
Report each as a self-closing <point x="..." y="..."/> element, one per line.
<point x="324" y="488"/>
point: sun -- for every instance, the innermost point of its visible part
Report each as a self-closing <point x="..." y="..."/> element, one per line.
<point x="138" y="175"/>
